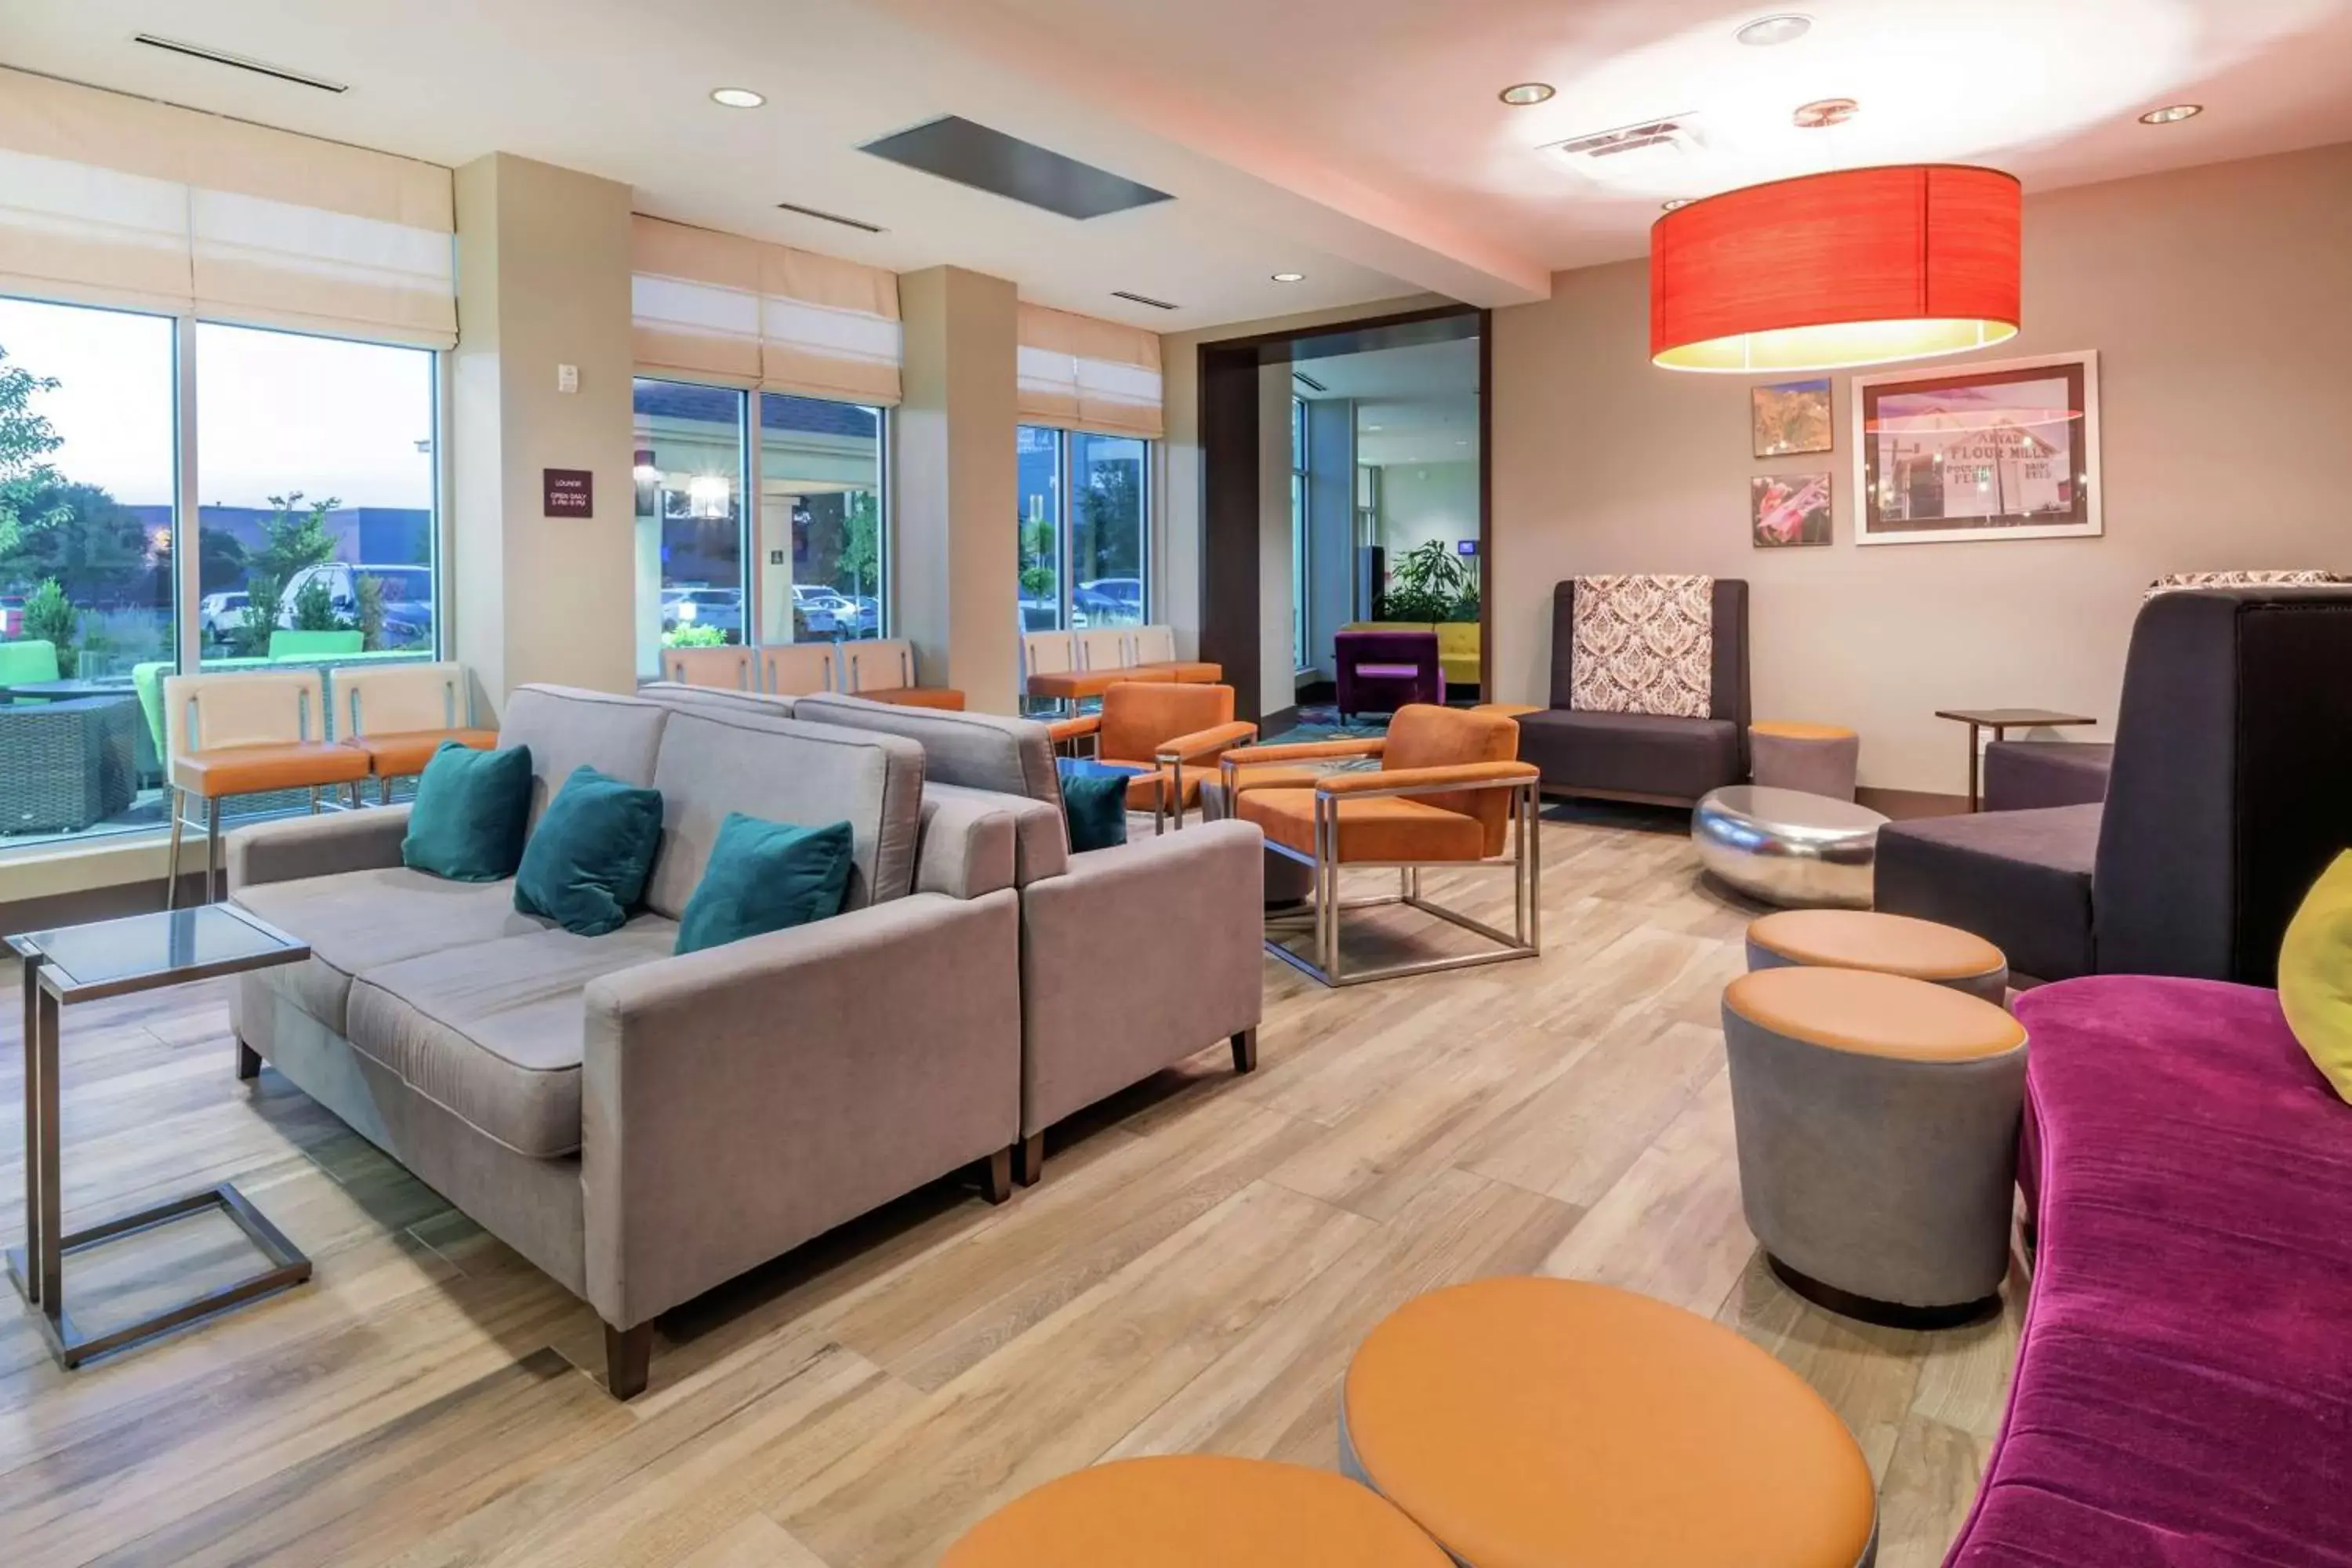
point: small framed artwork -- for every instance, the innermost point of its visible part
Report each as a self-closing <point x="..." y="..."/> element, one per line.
<point x="2009" y="450"/>
<point x="1791" y="419"/>
<point x="1787" y="509"/>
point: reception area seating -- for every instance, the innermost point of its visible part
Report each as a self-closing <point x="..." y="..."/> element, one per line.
<point x="1160" y="730"/>
<point x="1458" y="643"/>
<point x="244" y="733"/>
<point x="2233" y="757"/>
<point x="1649" y="689"/>
<point x="640" y="1125"/>
<point x="1383" y="671"/>
<point x="400" y="714"/>
<point x="1446" y="792"/>
<point x="1072" y="668"/>
<point x="883" y="669"/>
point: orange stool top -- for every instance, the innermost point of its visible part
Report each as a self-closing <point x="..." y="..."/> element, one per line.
<point x="1864" y="939"/>
<point x="1873" y="1014"/>
<point x="1195" y="1511"/>
<point x="1541" y="1422"/>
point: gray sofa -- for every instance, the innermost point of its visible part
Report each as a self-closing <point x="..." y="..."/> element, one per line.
<point x="642" y="1126"/>
<point x="1132" y="958"/>
<point x="1660" y="759"/>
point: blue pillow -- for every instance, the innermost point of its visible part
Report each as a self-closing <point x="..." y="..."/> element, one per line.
<point x="585" y="866"/>
<point x="470" y="811"/>
<point x="1093" y="802"/>
<point x="764" y="877"/>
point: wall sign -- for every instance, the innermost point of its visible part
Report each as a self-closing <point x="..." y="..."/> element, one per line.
<point x="569" y="492"/>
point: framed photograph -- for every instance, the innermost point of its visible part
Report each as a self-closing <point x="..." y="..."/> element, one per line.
<point x="1980" y="451"/>
<point x="1791" y="419"/>
<point x="1786" y="510"/>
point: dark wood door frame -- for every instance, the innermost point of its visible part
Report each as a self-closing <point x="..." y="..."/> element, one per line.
<point x="1230" y="613"/>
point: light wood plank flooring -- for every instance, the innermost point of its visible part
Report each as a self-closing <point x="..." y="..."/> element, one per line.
<point x="1192" y="1275"/>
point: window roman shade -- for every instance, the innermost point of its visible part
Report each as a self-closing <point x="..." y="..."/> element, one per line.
<point x="712" y="305"/>
<point x="1084" y="373"/>
<point x="107" y="199"/>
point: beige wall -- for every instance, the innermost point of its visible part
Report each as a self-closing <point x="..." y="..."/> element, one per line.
<point x="956" y="556"/>
<point x="2220" y="301"/>
<point x="543" y="281"/>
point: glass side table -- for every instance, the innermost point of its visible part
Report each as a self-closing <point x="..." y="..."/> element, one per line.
<point x="88" y="963"/>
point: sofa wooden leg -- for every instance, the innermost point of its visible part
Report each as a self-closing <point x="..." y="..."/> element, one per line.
<point x="1245" y="1050"/>
<point x="628" y="1358"/>
<point x="996" y="1177"/>
<point x="249" y="1061"/>
<point x="1029" y="1158"/>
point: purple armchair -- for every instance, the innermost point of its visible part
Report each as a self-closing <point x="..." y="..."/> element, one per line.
<point x="1380" y="672"/>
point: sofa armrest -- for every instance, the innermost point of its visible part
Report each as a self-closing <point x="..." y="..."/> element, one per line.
<point x="321" y="846"/>
<point x="1137" y="957"/>
<point x="737" y="1101"/>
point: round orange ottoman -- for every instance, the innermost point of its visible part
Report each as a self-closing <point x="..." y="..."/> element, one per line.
<point x="1889" y="944"/>
<point x="1190" y="1510"/>
<point x="1549" y="1423"/>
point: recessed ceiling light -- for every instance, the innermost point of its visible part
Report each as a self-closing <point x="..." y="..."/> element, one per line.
<point x="1525" y="92"/>
<point x="1766" y="31"/>
<point x="1678" y="203"/>
<point x="1824" y="112"/>
<point x="2173" y="115"/>
<point x="1290" y="278"/>
<point x="738" y="97"/>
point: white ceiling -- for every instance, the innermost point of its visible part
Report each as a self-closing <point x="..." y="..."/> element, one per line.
<point x="1417" y="404"/>
<point x="1359" y="141"/>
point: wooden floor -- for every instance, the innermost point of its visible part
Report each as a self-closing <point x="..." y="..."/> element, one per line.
<point x="1192" y="1275"/>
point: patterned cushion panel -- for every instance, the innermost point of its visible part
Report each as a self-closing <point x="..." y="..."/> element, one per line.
<point x="2174" y="581"/>
<point x="1645" y="645"/>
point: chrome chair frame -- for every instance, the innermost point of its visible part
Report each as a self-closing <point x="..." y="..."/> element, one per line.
<point x="1523" y="858"/>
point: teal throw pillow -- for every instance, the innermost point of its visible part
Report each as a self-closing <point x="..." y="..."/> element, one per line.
<point x="764" y="877"/>
<point x="470" y="812"/>
<point x="1093" y="804"/>
<point x="585" y="865"/>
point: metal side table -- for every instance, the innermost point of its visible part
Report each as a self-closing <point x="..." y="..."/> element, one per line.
<point x="89" y="963"/>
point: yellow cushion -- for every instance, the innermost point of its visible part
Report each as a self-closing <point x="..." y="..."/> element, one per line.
<point x="2315" y="975"/>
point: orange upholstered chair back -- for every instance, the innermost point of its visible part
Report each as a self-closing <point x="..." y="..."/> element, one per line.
<point x="1423" y="735"/>
<point x="1138" y="716"/>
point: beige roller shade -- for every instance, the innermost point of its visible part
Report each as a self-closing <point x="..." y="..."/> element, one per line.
<point x="718" y="306"/>
<point x="1082" y="372"/>
<point x="112" y="200"/>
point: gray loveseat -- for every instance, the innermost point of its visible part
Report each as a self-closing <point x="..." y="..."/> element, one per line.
<point x="642" y="1126"/>
<point x="1132" y="958"/>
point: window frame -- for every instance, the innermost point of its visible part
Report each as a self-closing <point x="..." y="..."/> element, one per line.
<point x="1065" y="518"/>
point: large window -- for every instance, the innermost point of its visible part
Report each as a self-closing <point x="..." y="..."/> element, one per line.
<point x="811" y="563"/>
<point x="313" y="470"/>
<point x="821" y="558"/>
<point x="316" y="479"/>
<point x="1082" y="561"/>
<point x="88" y="499"/>
<point x="1299" y="559"/>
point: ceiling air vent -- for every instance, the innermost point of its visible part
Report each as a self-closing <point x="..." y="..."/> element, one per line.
<point x="1670" y="135"/>
<point x="820" y="213"/>
<point x="1144" y="299"/>
<point x="240" y="62"/>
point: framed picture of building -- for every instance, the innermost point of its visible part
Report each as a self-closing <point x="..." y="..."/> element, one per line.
<point x="1791" y="419"/>
<point x="1786" y="510"/>
<point x="2006" y="450"/>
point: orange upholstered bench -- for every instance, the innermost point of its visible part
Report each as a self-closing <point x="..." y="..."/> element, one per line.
<point x="1539" y="1423"/>
<point x="1195" y="1511"/>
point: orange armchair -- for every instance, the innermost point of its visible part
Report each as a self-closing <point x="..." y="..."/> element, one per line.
<point x="1164" y="729"/>
<point x="1449" y="790"/>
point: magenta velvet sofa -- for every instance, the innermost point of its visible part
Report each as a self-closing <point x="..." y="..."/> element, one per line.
<point x="2183" y="1392"/>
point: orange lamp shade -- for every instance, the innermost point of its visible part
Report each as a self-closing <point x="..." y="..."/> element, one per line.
<point x="1854" y="267"/>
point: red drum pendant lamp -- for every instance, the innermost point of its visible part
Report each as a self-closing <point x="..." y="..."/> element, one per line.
<point x="1827" y="272"/>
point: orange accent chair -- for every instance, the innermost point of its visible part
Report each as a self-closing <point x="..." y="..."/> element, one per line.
<point x="1163" y="728"/>
<point x="398" y="715"/>
<point x="254" y="733"/>
<point x="1449" y="791"/>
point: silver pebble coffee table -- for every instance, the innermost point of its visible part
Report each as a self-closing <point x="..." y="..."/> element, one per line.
<point x="1788" y="847"/>
<point x="89" y="963"/>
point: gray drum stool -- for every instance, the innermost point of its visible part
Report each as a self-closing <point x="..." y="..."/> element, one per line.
<point x="1819" y="759"/>
<point x="1877" y="1119"/>
<point x="1788" y="847"/>
<point x="1890" y="944"/>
